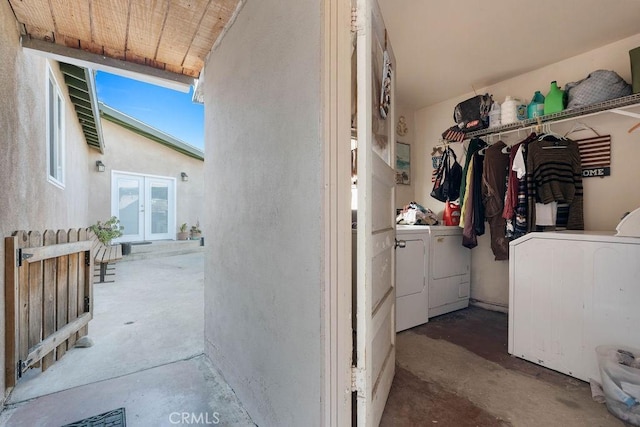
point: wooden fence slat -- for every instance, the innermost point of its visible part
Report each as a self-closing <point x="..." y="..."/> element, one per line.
<point x="23" y="300"/>
<point x="12" y="310"/>
<point x="35" y="293"/>
<point x="72" y="308"/>
<point x="49" y="308"/>
<point x="62" y="294"/>
<point x="82" y="236"/>
<point x="46" y="252"/>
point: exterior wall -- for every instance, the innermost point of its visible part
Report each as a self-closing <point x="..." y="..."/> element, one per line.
<point x="264" y="192"/>
<point x="126" y="151"/>
<point x="405" y="193"/>
<point x="28" y="200"/>
<point x="605" y="199"/>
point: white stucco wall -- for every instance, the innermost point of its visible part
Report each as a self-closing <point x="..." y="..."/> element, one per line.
<point x="605" y="199"/>
<point x="29" y="201"/>
<point x="263" y="186"/>
<point x="126" y="151"/>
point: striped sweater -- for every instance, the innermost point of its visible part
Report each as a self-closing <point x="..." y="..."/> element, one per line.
<point x="554" y="173"/>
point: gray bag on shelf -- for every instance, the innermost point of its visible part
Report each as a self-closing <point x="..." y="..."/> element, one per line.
<point x="598" y="86"/>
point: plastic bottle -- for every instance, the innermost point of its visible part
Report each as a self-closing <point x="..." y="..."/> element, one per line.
<point x="554" y="101"/>
<point x="536" y="106"/>
<point x="509" y="110"/>
<point x="495" y="115"/>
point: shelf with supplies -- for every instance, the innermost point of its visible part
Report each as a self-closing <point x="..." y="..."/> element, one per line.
<point x="617" y="106"/>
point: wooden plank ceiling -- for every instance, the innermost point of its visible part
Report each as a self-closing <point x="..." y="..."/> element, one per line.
<point x="171" y="35"/>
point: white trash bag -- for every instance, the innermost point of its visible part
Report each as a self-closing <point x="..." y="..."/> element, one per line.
<point x="620" y="375"/>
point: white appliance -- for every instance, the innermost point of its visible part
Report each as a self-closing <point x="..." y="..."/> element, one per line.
<point x="432" y="273"/>
<point x="569" y="292"/>
<point x="629" y="225"/>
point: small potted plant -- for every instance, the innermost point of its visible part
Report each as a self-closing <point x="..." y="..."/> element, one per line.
<point x="183" y="234"/>
<point x="196" y="233"/>
<point x="108" y="230"/>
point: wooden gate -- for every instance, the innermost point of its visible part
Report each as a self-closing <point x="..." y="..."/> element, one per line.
<point x="48" y="297"/>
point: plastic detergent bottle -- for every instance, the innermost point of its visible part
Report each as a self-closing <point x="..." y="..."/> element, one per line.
<point x="536" y="106"/>
<point x="509" y="110"/>
<point x="554" y="101"/>
<point x="495" y="115"/>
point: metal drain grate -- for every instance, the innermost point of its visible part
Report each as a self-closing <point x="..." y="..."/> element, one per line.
<point x="115" y="418"/>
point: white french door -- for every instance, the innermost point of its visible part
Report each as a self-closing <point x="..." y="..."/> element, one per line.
<point x="145" y="205"/>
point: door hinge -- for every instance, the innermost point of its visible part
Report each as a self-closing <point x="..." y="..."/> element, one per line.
<point x="21" y="256"/>
<point x="357" y="379"/>
<point x="354" y="20"/>
<point x="87" y="304"/>
<point x="87" y="258"/>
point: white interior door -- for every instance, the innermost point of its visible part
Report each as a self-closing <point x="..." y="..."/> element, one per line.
<point x="145" y="206"/>
<point x="375" y="289"/>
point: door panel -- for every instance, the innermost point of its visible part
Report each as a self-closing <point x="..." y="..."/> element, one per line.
<point x="128" y="205"/>
<point x="375" y="289"/>
<point x="160" y="217"/>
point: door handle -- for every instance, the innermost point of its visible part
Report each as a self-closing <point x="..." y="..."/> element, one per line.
<point x="400" y="244"/>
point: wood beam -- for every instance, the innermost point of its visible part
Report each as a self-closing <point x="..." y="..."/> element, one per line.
<point x="93" y="61"/>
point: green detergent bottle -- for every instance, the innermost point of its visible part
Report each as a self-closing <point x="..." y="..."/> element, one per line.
<point x="554" y="101"/>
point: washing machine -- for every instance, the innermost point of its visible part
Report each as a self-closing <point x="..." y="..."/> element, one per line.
<point x="432" y="273"/>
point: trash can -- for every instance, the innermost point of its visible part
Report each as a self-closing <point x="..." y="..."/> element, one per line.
<point x="620" y="375"/>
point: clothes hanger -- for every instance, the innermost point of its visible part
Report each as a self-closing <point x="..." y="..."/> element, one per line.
<point x="550" y="133"/>
<point x="579" y="126"/>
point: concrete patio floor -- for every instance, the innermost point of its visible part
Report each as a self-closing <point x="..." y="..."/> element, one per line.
<point x="147" y="356"/>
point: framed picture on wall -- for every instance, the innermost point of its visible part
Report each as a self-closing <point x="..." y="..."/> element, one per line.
<point x="403" y="163"/>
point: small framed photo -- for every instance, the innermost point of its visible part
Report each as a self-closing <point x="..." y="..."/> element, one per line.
<point x="403" y="163"/>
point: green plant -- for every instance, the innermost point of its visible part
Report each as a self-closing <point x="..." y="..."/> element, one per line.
<point x="108" y="230"/>
<point x="183" y="227"/>
<point x="195" y="229"/>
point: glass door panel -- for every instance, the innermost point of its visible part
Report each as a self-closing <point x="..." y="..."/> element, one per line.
<point x="129" y="205"/>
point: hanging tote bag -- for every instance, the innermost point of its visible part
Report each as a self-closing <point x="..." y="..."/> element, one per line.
<point x="454" y="177"/>
<point x="438" y="192"/>
<point x="448" y="178"/>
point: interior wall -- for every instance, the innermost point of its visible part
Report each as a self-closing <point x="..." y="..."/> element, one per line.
<point x="29" y="201"/>
<point x="605" y="199"/>
<point x="126" y="151"/>
<point x="405" y="193"/>
<point x="264" y="190"/>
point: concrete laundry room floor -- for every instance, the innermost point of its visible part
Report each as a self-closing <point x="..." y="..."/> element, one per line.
<point x="455" y="371"/>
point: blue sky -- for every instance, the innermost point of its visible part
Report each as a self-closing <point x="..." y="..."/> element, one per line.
<point x="168" y="110"/>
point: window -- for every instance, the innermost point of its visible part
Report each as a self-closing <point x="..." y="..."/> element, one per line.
<point x="55" y="132"/>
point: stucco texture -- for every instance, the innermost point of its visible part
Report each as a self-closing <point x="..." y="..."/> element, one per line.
<point x="605" y="199"/>
<point x="29" y="201"/>
<point x="264" y="193"/>
<point x="126" y="151"/>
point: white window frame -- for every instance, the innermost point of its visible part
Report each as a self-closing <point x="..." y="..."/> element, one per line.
<point x="55" y="139"/>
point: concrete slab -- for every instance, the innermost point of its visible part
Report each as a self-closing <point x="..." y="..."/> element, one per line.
<point x="153" y="314"/>
<point x="147" y="356"/>
<point x="188" y="392"/>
